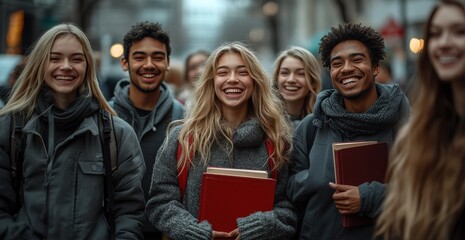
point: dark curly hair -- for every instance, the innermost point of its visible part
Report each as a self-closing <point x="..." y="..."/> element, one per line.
<point x="367" y="35"/>
<point x="142" y="30"/>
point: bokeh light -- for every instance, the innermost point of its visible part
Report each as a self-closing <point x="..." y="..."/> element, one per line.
<point x="116" y="50"/>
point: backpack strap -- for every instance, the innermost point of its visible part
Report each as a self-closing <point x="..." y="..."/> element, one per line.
<point x="183" y="171"/>
<point x="270" y="149"/>
<point x="311" y="133"/>
<point x="17" y="142"/>
<point x="108" y="141"/>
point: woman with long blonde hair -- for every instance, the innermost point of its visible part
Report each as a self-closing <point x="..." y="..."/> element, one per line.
<point x="426" y="193"/>
<point x="28" y="85"/>
<point x="61" y="184"/>
<point x="236" y="110"/>
<point x="297" y="75"/>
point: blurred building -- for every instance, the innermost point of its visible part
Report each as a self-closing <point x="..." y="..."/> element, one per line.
<point x="267" y="25"/>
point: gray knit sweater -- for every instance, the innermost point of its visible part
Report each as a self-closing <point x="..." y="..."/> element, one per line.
<point x="178" y="218"/>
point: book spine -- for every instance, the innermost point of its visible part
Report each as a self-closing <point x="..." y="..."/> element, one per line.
<point x="339" y="175"/>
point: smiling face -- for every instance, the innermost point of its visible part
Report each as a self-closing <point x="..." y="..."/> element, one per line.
<point x="233" y="83"/>
<point x="147" y="65"/>
<point x="352" y="72"/>
<point x="292" y="83"/>
<point x="66" y="70"/>
<point x="446" y="46"/>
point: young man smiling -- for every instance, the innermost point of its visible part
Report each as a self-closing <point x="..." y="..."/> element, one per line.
<point x="356" y="109"/>
<point x="144" y="100"/>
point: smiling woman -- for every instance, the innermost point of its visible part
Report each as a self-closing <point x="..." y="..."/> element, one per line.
<point x="233" y="87"/>
<point x="66" y="70"/>
<point x="59" y="110"/>
<point x="297" y="75"/>
<point x="235" y="113"/>
<point x="426" y="198"/>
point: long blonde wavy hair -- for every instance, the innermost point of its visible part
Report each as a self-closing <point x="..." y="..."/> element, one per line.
<point x="426" y="191"/>
<point x="205" y="125"/>
<point x="27" y="87"/>
<point x="312" y="71"/>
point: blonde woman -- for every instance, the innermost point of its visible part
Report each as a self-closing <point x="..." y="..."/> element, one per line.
<point x="62" y="184"/>
<point x="426" y="194"/>
<point x="235" y="111"/>
<point x="297" y="75"/>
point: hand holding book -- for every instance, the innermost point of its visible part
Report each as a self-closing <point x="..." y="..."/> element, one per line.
<point x="224" y="197"/>
<point x="224" y="235"/>
<point x="356" y="163"/>
<point x="346" y="198"/>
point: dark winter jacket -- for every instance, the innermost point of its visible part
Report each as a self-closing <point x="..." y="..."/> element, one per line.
<point x="63" y="184"/>
<point x="312" y="170"/>
<point x="150" y="129"/>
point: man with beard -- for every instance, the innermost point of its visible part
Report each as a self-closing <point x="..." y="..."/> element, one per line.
<point x="357" y="109"/>
<point x="144" y="100"/>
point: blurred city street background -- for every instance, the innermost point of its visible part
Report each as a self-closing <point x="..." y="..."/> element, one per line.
<point x="269" y="26"/>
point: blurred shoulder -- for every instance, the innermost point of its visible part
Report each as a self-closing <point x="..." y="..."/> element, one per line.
<point x="178" y="110"/>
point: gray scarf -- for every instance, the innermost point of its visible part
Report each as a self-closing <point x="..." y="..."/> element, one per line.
<point x="383" y="114"/>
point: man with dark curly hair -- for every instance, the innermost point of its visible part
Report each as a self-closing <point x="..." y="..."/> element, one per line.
<point x="145" y="100"/>
<point x="357" y="109"/>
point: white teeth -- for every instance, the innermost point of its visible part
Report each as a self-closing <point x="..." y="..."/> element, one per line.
<point x="447" y="59"/>
<point x="291" y="88"/>
<point x="233" y="90"/>
<point x="64" y="78"/>
<point x="350" y="80"/>
<point x="148" y="75"/>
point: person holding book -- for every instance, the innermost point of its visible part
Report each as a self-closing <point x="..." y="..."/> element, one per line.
<point x="54" y="184"/>
<point x="357" y="109"/>
<point x="426" y="193"/>
<point x="236" y="111"/>
<point x="297" y="76"/>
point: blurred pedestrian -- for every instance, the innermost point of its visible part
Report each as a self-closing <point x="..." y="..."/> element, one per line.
<point x="193" y="66"/>
<point x="297" y="75"/>
<point x="426" y="197"/>
<point x="14" y="75"/>
<point x="61" y="182"/>
<point x="358" y="109"/>
<point x="174" y="77"/>
<point x="235" y="111"/>
<point x="385" y="73"/>
<point x="145" y="100"/>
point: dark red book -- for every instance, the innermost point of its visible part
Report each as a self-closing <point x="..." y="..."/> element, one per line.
<point x="356" y="163"/>
<point x="225" y="198"/>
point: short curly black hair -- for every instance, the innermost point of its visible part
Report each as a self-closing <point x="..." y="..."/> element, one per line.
<point x="142" y="30"/>
<point x="349" y="31"/>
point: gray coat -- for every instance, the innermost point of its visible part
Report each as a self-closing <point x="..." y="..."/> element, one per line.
<point x="151" y="128"/>
<point x="177" y="217"/>
<point x="63" y="190"/>
<point x="312" y="171"/>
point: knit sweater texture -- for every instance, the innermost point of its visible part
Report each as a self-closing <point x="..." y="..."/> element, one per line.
<point x="177" y="217"/>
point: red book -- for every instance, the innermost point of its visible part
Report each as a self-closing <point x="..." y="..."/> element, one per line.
<point x="356" y="163"/>
<point x="225" y="198"/>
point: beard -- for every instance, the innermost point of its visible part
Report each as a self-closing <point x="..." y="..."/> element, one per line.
<point x="150" y="89"/>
